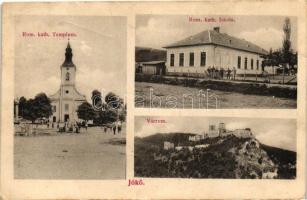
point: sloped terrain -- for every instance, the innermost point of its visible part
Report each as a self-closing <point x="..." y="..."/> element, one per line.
<point x="225" y="157"/>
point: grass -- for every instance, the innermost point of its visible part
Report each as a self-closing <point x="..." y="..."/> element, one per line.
<point x="263" y="89"/>
<point x="163" y="93"/>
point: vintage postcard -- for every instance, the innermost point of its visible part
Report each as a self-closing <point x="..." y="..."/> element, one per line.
<point x="153" y="100"/>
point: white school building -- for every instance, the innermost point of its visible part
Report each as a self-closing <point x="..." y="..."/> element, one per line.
<point x="211" y="48"/>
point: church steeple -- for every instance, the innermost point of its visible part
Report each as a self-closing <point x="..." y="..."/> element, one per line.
<point x="68" y="56"/>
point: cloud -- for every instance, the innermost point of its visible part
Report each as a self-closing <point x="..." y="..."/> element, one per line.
<point x="85" y="48"/>
<point x="274" y="132"/>
<point x="264" y="37"/>
<point x="105" y="83"/>
<point x="280" y="136"/>
<point x="157" y="33"/>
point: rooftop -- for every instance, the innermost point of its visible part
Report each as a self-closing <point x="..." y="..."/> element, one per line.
<point x="217" y="38"/>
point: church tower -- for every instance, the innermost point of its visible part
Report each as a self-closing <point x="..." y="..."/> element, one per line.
<point x="68" y="68"/>
<point x="66" y="101"/>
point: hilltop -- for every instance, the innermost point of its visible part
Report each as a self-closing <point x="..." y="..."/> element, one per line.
<point x="145" y="54"/>
<point x="223" y="157"/>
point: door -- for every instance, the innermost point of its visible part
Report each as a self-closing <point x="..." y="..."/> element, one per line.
<point x="66" y="117"/>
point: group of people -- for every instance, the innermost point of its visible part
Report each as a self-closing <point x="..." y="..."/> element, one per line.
<point x="115" y="127"/>
<point x="69" y="127"/>
<point x="221" y="73"/>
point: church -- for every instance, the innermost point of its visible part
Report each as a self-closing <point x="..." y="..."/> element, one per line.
<point x="67" y="99"/>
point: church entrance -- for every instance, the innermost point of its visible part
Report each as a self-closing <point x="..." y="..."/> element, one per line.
<point x="66" y="117"/>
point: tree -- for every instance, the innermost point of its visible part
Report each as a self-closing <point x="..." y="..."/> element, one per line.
<point x="86" y="112"/>
<point x="113" y="101"/>
<point x="286" y="47"/>
<point x="107" y="116"/>
<point x="22" y="105"/>
<point x="285" y="56"/>
<point x="36" y="108"/>
<point x="96" y="100"/>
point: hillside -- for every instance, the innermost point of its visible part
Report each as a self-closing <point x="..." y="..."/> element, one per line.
<point x="225" y="157"/>
<point x="144" y="54"/>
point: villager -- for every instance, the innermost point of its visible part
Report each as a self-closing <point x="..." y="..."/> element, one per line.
<point x="86" y="125"/>
<point x="234" y="73"/>
<point x="228" y="73"/>
<point x="119" y="128"/>
<point x="114" y="129"/>
<point x="213" y="72"/>
<point x="216" y="73"/>
<point x="209" y="72"/>
<point x="222" y="73"/>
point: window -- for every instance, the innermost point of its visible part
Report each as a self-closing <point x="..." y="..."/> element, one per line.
<point x="245" y="63"/>
<point x="67" y="76"/>
<point x="239" y="62"/>
<point x="211" y="127"/>
<point x="66" y="107"/>
<point x="181" y="59"/>
<point x="203" y="59"/>
<point x="67" y="91"/>
<point x="191" y="59"/>
<point x="53" y="108"/>
<point x="257" y="64"/>
<point x="252" y="64"/>
<point x="172" y="60"/>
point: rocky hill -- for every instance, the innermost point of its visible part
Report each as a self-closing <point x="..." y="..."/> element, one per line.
<point x="223" y="157"/>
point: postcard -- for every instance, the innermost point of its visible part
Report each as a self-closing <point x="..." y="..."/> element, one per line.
<point x="153" y="100"/>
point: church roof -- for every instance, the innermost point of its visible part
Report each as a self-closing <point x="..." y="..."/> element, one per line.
<point x="216" y="38"/>
<point x="68" y="57"/>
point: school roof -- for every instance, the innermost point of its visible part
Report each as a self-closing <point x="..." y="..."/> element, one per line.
<point x="221" y="39"/>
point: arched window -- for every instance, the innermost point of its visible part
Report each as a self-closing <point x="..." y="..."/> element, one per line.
<point x="67" y="76"/>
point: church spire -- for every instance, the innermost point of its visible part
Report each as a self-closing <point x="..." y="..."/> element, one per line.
<point x="68" y="55"/>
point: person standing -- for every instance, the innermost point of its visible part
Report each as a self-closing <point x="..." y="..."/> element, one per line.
<point x="228" y="73"/>
<point x="208" y="71"/>
<point x="114" y="129"/>
<point x="234" y="73"/>
<point x="86" y="125"/>
<point x="222" y="73"/>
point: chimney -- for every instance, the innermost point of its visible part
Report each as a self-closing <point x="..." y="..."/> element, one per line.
<point x="217" y="29"/>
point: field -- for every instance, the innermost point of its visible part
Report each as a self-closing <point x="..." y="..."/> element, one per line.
<point x="92" y="154"/>
<point x="172" y="96"/>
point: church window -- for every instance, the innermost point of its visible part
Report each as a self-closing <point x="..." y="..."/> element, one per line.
<point x="67" y="76"/>
<point x="66" y="107"/>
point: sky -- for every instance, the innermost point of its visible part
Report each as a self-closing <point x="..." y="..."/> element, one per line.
<point x="274" y="132"/>
<point x="156" y="31"/>
<point x="99" y="53"/>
